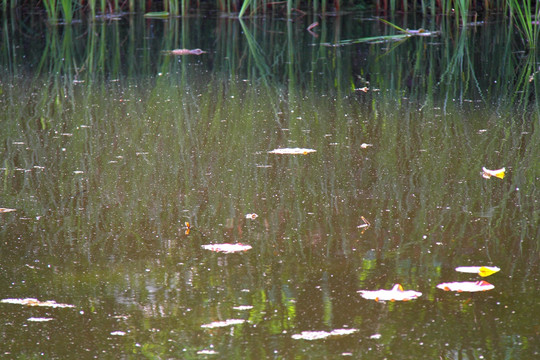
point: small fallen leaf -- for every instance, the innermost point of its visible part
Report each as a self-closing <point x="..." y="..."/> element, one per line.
<point x="39" y="319"/>
<point x="365" y="146"/>
<point x="252" y="216"/>
<point x="181" y="52"/>
<point x="467" y="286"/>
<point x="36" y="302"/>
<point x="227" y="248"/>
<point x="5" y="210"/>
<point x="225" y="323"/>
<point x="480" y="270"/>
<point x="316" y="335"/>
<point x="396" y="294"/>
<point x="292" y="151"/>
<point x="157" y="14"/>
<point x="486" y="173"/>
<point x="187" y="227"/>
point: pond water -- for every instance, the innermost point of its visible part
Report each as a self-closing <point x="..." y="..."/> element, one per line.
<point x="121" y="161"/>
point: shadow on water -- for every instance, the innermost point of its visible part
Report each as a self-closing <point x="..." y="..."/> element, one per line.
<point x="109" y="146"/>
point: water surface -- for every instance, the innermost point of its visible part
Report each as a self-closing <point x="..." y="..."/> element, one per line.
<point x="109" y="146"/>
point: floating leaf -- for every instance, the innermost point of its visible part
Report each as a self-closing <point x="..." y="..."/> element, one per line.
<point x="207" y="352"/>
<point x="225" y="323"/>
<point x="316" y="335"/>
<point x="157" y="14"/>
<point x="5" y="210"/>
<point x="39" y="319"/>
<point x="486" y="173"/>
<point x="292" y="151"/>
<point x="480" y="270"/>
<point x="36" y="302"/>
<point x="467" y="286"/>
<point x="187" y="227"/>
<point x="396" y="294"/>
<point x="181" y="52"/>
<point x="227" y="248"/>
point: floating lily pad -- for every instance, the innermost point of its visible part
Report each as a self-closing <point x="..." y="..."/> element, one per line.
<point x="36" y="302"/>
<point x="466" y="286"/>
<point x="292" y="151"/>
<point x="229" y="322"/>
<point x="227" y="248"/>
<point x="486" y="173"/>
<point x="396" y="294"/>
<point x="480" y="270"/>
<point x="316" y="335"/>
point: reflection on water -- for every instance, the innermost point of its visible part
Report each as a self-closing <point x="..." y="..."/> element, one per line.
<point x="121" y="162"/>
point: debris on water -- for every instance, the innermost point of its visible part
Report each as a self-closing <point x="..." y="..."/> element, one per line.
<point x="480" y="270"/>
<point x="6" y="210"/>
<point x="217" y="324"/>
<point x="252" y="216"/>
<point x="486" y="173"/>
<point x="182" y="52"/>
<point x="227" y="248"/>
<point x="396" y="294"/>
<point x="36" y="302"/>
<point x="466" y="286"/>
<point x="316" y="335"/>
<point x="292" y="151"/>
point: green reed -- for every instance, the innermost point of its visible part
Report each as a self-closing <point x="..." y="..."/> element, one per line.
<point x="526" y="17"/>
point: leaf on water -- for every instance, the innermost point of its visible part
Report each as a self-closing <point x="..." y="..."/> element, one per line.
<point x="480" y="270"/>
<point x="229" y="322"/>
<point x="316" y="335"/>
<point x="36" y="302"/>
<point x="157" y="14"/>
<point x="181" y="52"/>
<point x="252" y="216"/>
<point x="467" y="286"/>
<point x="39" y="319"/>
<point x="207" y="352"/>
<point x="187" y="227"/>
<point x="396" y="294"/>
<point x="486" y="173"/>
<point x="5" y="210"/>
<point x="292" y="151"/>
<point x="227" y="248"/>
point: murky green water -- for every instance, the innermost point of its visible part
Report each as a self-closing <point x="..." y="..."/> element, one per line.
<point x="109" y="146"/>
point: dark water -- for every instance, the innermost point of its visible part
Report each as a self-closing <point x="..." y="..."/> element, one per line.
<point x="109" y="146"/>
